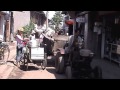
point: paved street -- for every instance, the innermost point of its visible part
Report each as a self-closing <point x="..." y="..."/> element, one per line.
<point x="110" y="70"/>
<point x="10" y="71"/>
<point x="6" y="69"/>
<point x="101" y="36"/>
<point x="35" y="72"/>
<point x="49" y="73"/>
<point x="60" y="37"/>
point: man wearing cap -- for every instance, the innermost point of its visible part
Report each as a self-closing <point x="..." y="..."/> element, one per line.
<point x="19" y="39"/>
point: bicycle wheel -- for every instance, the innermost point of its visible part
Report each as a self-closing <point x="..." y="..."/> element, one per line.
<point x="2" y="56"/>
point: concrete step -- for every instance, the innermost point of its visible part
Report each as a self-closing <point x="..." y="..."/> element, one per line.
<point x="14" y="43"/>
<point x="2" y="68"/>
<point x="6" y="72"/>
<point x="6" y="68"/>
<point x="12" y="47"/>
<point x="11" y="43"/>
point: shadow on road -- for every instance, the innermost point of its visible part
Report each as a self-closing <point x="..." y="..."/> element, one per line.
<point x="51" y="68"/>
<point x="11" y="62"/>
<point x="30" y="68"/>
<point x="57" y="76"/>
<point x="51" y="61"/>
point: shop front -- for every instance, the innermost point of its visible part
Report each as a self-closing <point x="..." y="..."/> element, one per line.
<point x="110" y="43"/>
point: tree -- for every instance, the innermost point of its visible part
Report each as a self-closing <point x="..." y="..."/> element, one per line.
<point x="57" y="19"/>
<point x="28" y="28"/>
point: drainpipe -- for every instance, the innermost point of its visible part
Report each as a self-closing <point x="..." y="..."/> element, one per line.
<point x="7" y="32"/>
<point x="7" y="28"/>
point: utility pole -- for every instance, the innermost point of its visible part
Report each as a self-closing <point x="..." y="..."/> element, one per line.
<point x="11" y="26"/>
<point x="7" y="27"/>
<point x="47" y="20"/>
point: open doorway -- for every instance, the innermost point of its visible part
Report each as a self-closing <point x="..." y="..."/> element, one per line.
<point x="70" y="31"/>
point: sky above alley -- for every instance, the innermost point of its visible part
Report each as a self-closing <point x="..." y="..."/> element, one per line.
<point x="50" y="14"/>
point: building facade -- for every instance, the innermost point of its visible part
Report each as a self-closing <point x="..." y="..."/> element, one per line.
<point x="101" y="32"/>
<point x="4" y="25"/>
<point x="21" y="19"/>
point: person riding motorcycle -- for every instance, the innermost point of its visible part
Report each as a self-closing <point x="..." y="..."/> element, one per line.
<point x="74" y="41"/>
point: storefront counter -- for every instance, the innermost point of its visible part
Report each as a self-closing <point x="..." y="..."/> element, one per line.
<point x="114" y="53"/>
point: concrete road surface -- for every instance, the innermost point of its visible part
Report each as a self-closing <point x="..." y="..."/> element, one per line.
<point x="10" y="71"/>
<point x="35" y="72"/>
<point x="61" y="37"/>
<point x="49" y="73"/>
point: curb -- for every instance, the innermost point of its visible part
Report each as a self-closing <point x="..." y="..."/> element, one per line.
<point x="7" y="72"/>
<point x="11" y="48"/>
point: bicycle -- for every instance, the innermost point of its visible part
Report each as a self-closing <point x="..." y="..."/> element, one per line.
<point x="4" y="53"/>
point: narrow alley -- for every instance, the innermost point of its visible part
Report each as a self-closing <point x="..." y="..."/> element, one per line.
<point x="59" y="45"/>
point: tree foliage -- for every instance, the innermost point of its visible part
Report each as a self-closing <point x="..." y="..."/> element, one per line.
<point x="28" y="28"/>
<point x="57" y="19"/>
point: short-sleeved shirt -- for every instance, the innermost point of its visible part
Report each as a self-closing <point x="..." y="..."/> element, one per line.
<point x="32" y="37"/>
<point x="70" y="42"/>
<point x="19" y="39"/>
<point x="71" y="39"/>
